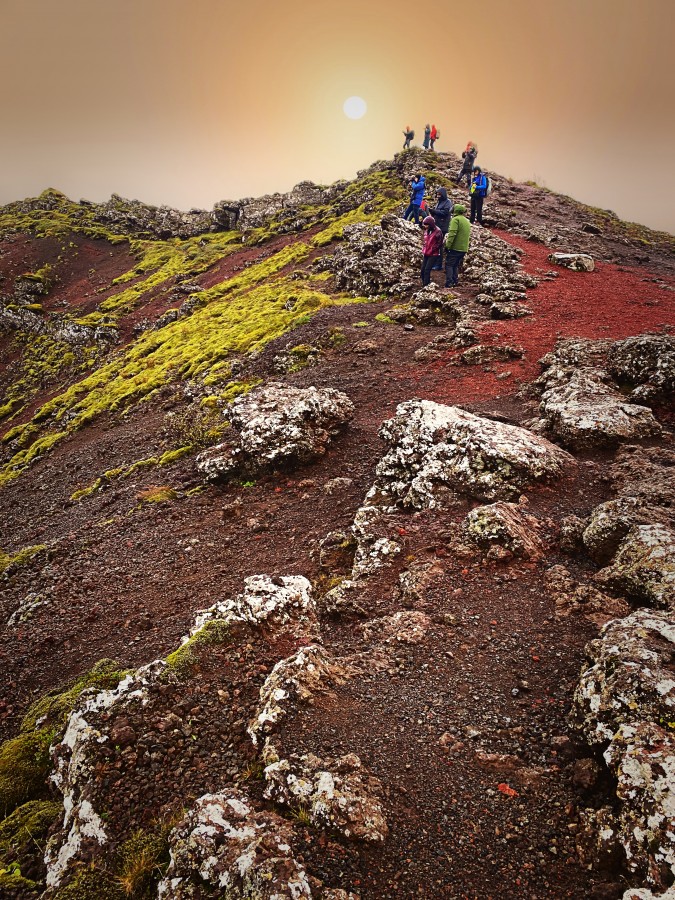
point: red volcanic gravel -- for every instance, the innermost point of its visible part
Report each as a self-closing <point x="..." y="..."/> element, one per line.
<point x="566" y="306"/>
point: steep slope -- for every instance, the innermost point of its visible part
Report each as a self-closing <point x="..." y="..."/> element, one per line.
<point x="449" y="594"/>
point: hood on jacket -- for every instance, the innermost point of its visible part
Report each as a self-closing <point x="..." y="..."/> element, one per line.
<point x="459" y="209"/>
<point x="429" y="221"/>
<point x="443" y="194"/>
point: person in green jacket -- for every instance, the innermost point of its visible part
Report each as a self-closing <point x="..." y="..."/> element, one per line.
<point x="456" y="244"/>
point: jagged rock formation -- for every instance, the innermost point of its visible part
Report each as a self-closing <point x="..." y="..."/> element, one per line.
<point x="624" y="702"/>
<point x="276" y="425"/>
<point x="581" y="405"/>
<point x="377" y="259"/>
<point x="578" y="262"/>
<point x="437" y="451"/>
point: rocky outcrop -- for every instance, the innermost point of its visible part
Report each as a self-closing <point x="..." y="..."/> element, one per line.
<point x="578" y="262"/>
<point x="224" y="847"/>
<point x="437" y="452"/>
<point x="494" y="267"/>
<point x="643" y="567"/>
<point x="581" y="405"/>
<point x="628" y="677"/>
<point x="507" y="526"/>
<point x="122" y="724"/>
<point x="291" y="683"/>
<point x="276" y="425"/>
<point x="377" y="259"/>
<point x="646" y="363"/>
<point x="581" y="409"/>
<point x="624" y="702"/>
<point x="292" y="211"/>
<point x="337" y="794"/>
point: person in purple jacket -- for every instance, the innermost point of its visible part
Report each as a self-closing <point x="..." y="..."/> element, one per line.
<point x="433" y="239"/>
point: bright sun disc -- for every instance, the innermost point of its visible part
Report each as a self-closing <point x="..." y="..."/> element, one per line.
<point x="355" y="107"/>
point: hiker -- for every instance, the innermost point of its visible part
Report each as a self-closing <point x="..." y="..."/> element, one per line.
<point x="427" y="137"/>
<point x="434" y="136"/>
<point x="456" y="244"/>
<point x="409" y="135"/>
<point x="441" y="213"/>
<point x="433" y="238"/>
<point x="417" y="189"/>
<point x="469" y="157"/>
<point x="479" y="184"/>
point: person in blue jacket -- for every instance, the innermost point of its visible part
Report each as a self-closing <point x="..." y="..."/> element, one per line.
<point x="417" y="189"/>
<point x="478" y="192"/>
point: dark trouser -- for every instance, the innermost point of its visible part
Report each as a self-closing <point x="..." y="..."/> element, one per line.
<point x="432" y="143"/>
<point x="413" y="212"/>
<point x="427" y="263"/>
<point x="406" y="146"/>
<point x="453" y="259"/>
<point x="462" y="174"/>
<point x="438" y="260"/>
<point x="477" y="208"/>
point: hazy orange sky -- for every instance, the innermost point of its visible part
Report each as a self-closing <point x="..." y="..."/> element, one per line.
<point x="187" y="102"/>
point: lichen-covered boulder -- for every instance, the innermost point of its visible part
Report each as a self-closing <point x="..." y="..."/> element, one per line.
<point x="625" y="702"/>
<point x="581" y="409"/>
<point x="642" y="758"/>
<point x="224" y="848"/>
<point x="507" y="525"/>
<point x="439" y="451"/>
<point x="578" y="262"/>
<point x="609" y="523"/>
<point x="644" y="566"/>
<point x="291" y="683"/>
<point x="378" y="259"/>
<point x="493" y="265"/>
<point x="628" y="677"/>
<point x="430" y="306"/>
<point x="338" y="794"/>
<point x="272" y="602"/>
<point x="571" y="596"/>
<point x="276" y="425"/>
<point x="648" y="475"/>
<point x="646" y="361"/>
<point x="374" y="547"/>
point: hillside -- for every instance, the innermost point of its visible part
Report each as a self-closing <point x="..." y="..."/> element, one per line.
<point x="301" y="563"/>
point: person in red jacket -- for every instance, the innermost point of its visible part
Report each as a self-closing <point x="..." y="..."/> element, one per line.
<point x="431" y="248"/>
<point x="433" y="136"/>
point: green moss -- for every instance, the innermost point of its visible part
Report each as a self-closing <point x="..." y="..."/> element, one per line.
<point x="55" y="707"/>
<point x="21" y="558"/>
<point x="157" y="494"/>
<point x="24" y="765"/>
<point x="11" y="879"/>
<point x="91" y="883"/>
<point x="182" y="660"/>
<point x="383" y="317"/>
<point x="24" y="760"/>
<point x="361" y="324"/>
<point x="23" y="837"/>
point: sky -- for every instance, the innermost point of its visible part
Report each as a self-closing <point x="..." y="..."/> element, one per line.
<point x="187" y="102"/>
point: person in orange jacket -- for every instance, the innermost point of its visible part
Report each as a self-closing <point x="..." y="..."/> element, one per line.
<point x="433" y="137"/>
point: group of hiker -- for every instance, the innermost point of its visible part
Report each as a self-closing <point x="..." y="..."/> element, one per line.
<point x="446" y="227"/>
<point x="431" y="135"/>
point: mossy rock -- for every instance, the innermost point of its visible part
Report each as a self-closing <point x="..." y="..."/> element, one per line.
<point x="182" y="660"/>
<point x="91" y="883"/>
<point x="25" y="760"/>
<point x="23" y="837"/>
<point x="24" y="765"/>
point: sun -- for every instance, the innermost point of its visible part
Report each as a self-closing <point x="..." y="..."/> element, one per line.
<point x="355" y="107"/>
